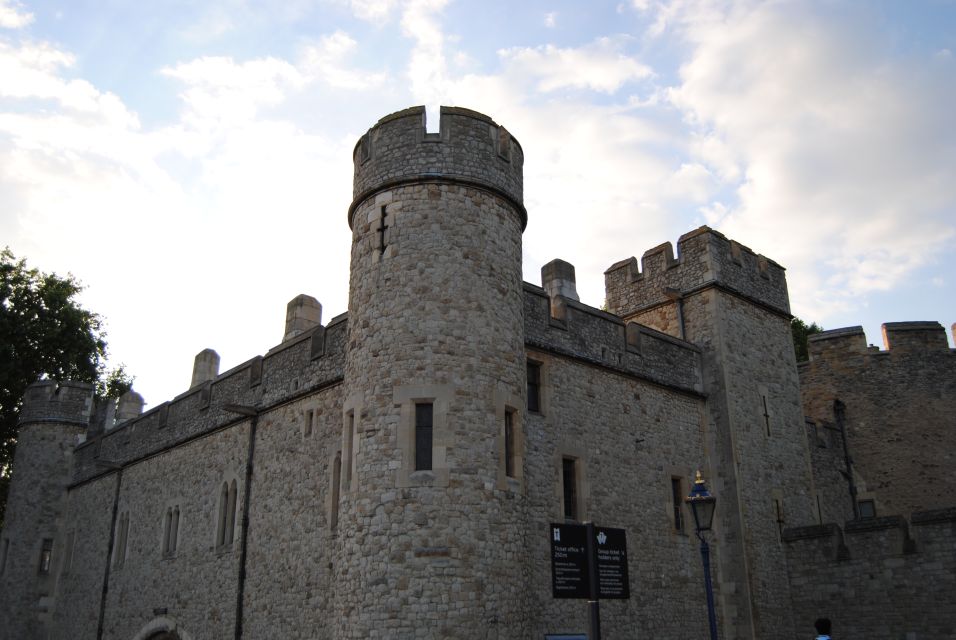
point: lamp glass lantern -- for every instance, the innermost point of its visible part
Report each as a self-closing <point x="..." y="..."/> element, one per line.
<point x="702" y="504"/>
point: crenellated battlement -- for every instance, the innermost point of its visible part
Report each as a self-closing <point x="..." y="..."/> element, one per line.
<point x="310" y="361"/>
<point x="705" y="258"/>
<point x="469" y="148"/>
<point x="52" y="401"/>
<point x="899" y="338"/>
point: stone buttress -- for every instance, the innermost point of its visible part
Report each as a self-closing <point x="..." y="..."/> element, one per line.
<point x="429" y="543"/>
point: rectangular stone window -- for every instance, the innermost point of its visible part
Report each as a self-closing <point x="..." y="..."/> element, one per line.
<point x="677" y="503"/>
<point x="4" y="549"/>
<point x="534" y="387"/>
<point x="569" y="484"/>
<point x="46" y="557"/>
<point x="510" y="443"/>
<point x="309" y="420"/>
<point x="349" y="442"/>
<point x="122" y="535"/>
<point x="867" y="509"/>
<point x="68" y="551"/>
<point x="171" y="531"/>
<point x="778" y="511"/>
<point x="423" y="435"/>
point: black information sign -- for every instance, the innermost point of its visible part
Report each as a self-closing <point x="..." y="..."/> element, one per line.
<point x="572" y="556"/>
<point x="569" y="561"/>
<point x="610" y="549"/>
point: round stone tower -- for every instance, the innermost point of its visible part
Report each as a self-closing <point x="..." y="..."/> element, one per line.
<point x="431" y="516"/>
<point x="31" y="548"/>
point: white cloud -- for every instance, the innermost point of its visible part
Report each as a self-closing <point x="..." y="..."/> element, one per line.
<point x="373" y="10"/>
<point x="326" y="59"/>
<point x="12" y="15"/>
<point x="842" y="157"/>
<point x="550" y="19"/>
<point x="600" y="66"/>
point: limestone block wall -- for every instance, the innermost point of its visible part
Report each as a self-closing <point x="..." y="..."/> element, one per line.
<point x="434" y="317"/>
<point x="629" y="438"/>
<point x="288" y="588"/>
<point x="147" y="581"/>
<point x="828" y="463"/>
<point x="900" y="407"/>
<point x="880" y="579"/>
<point x="82" y="549"/>
<point x="309" y="361"/>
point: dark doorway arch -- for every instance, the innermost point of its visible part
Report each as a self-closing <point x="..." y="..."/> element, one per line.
<point x="165" y="635"/>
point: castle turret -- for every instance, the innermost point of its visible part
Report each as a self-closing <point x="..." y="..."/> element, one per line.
<point x="31" y="548"/>
<point x="733" y="304"/>
<point x="435" y="387"/>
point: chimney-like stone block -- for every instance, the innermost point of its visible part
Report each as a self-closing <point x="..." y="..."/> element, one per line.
<point x="557" y="278"/>
<point x="205" y="367"/>
<point x="129" y="406"/>
<point x="302" y="313"/>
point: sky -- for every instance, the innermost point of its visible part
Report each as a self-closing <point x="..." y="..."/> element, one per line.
<point x="190" y="162"/>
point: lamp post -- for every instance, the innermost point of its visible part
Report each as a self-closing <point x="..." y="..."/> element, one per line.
<point x="702" y="504"/>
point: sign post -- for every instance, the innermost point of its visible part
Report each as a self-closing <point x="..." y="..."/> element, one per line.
<point x="589" y="562"/>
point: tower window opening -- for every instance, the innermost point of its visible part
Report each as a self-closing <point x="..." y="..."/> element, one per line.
<point x="122" y="536"/>
<point x="423" y="435"/>
<point x="534" y="387"/>
<point x="171" y="531"/>
<point x="309" y="421"/>
<point x="382" y="228"/>
<point x="336" y="480"/>
<point x="867" y="509"/>
<point x="677" y="503"/>
<point x="766" y="414"/>
<point x="46" y="556"/>
<point x="510" y="443"/>
<point x="569" y="484"/>
<point x="4" y="549"/>
<point x="778" y="510"/>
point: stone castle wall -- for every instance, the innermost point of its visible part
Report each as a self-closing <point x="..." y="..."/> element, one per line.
<point x="900" y="406"/>
<point x="881" y="579"/>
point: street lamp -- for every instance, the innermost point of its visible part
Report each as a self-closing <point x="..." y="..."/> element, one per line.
<point x="702" y="504"/>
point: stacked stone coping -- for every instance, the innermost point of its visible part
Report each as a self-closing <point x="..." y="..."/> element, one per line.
<point x="307" y="363"/>
<point x="469" y="149"/>
<point x="705" y="258"/>
<point x="593" y="336"/>
<point x="899" y="338"/>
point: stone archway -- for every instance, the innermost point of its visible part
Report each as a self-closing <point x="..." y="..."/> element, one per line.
<point x="162" y="628"/>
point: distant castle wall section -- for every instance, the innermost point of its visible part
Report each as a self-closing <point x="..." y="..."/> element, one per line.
<point x="880" y="579"/>
<point x="900" y="408"/>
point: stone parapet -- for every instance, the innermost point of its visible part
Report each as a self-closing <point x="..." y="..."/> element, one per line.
<point x="469" y="149"/>
<point x="874" y="577"/>
<point x="704" y="258"/>
<point x="52" y="401"/>
<point x="570" y="328"/>
<point x="311" y="361"/>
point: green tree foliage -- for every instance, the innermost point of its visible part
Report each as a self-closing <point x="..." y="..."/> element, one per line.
<point x="801" y="334"/>
<point x="44" y="333"/>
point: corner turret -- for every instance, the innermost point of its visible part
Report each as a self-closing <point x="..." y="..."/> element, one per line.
<point x="52" y="416"/>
